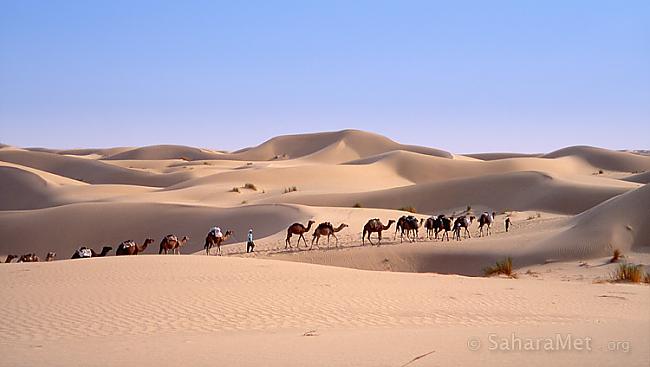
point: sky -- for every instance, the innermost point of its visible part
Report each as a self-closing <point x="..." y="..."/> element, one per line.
<point x="464" y="76"/>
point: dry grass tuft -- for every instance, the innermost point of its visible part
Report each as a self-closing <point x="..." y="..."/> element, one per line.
<point x="501" y="267"/>
<point x="250" y="186"/>
<point x="357" y="205"/>
<point x="234" y="189"/>
<point x="616" y="256"/>
<point x="290" y="189"/>
<point x="409" y="209"/>
<point x="629" y="273"/>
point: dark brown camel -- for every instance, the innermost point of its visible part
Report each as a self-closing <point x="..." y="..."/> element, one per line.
<point x="171" y="243"/>
<point x="85" y="252"/>
<point x="326" y="229"/>
<point x="463" y="222"/>
<point x="129" y="247"/>
<point x="444" y="224"/>
<point x="411" y="226"/>
<point x="374" y="225"/>
<point x="10" y="258"/>
<point x="211" y="240"/>
<point x="486" y="220"/>
<point x="300" y="230"/>
<point x="430" y="226"/>
<point x="50" y="256"/>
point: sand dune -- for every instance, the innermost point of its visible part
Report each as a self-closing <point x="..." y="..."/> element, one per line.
<point x="512" y="191"/>
<point x="88" y="170"/>
<point x="618" y="223"/>
<point x="359" y="143"/>
<point x="156" y="152"/>
<point x="643" y="178"/>
<point x="65" y="228"/>
<point x="275" y="306"/>
<point x="605" y="159"/>
<point x="154" y="310"/>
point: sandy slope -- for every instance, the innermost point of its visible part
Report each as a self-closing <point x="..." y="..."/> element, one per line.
<point x="253" y="309"/>
<point x="229" y="311"/>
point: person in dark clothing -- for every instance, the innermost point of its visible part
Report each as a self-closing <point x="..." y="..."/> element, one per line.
<point x="250" y="245"/>
<point x="508" y="224"/>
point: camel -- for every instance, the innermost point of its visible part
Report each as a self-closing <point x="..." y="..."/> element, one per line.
<point x="486" y="219"/>
<point x="171" y="243"/>
<point x="444" y="224"/>
<point x="300" y="230"/>
<point x="410" y="224"/>
<point x="129" y="247"/>
<point x="85" y="252"/>
<point x="211" y="240"/>
<point x="10" y="258"/>
<point x="29" y="258"/>
<point x="50" y="256"/>
<point x="326" y="229"/>
<point x="374" y="225"/>
<point x="463" y="222"/>
<point x="431" y="226"/>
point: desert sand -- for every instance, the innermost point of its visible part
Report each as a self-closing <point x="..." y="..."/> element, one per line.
<point x="417" y="304"/>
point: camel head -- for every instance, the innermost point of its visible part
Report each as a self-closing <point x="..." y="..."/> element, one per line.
<point x="107" y="249"/>
<point x="229" y="233"/>
<point x="311" y="222"/>
<point x="50" y="256"/>
<point x="147" y="242"/>
<point x="343" y="225"/>
<point x="184" y="239"/>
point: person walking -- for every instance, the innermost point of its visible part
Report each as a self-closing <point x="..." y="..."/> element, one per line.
<point x="507" y="224"/>
<point x="250" y="245"/>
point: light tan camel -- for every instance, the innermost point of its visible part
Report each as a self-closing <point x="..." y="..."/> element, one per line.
<point x="300" y="230"/>
<point x="374" y="225"/>
<point x="326" y="229"/>
<point x="171" y="243"/>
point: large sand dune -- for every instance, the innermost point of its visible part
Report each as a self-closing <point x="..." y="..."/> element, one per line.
<point x="570" y="209"/>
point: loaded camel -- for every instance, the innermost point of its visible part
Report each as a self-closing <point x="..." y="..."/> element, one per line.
<point x="444" y="224"/>
<point x="486" y="220"/>
<point x="28" y="258"/>
<point x="326" y="229"/>
<point x="437" y="224"/>
<point x="298" y="229"/>
<point x="129" y="247"/>
<point x="411" y="226"/>
<point x="171" y="243"/>
<point x="463" y="222"/>
<point x="50" y="256"/>
<point x="212" y="240"/>
<point x="374" y="225"/>
<point x="10" y="258"/>
<point x="85" y="252"/>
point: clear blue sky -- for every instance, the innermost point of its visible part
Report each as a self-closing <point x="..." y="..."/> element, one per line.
<point x="465" y="76"/>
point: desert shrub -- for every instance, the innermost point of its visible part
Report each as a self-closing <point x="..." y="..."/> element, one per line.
<point x="600" y="172"/>
<point x="469" y="208"/>
<point x="244" y="202"/>
<point x="501" y="267"/>
<point x="629" y="273"/>
<point x="357" y="205"/>
<point x="409" y="209"/>
<point x="186" y="159"/>
<point x="234" y="189"/>
<point x="290" y="189"/>
<point x="616" y="256"/>
<point x="250" y="186"/>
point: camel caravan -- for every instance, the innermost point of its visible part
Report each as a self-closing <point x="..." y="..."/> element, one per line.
<point x="408" y="227"/>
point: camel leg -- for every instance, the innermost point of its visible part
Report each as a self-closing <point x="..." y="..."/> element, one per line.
<point x="337" y="240"/>
<point x="287" y="242"/>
